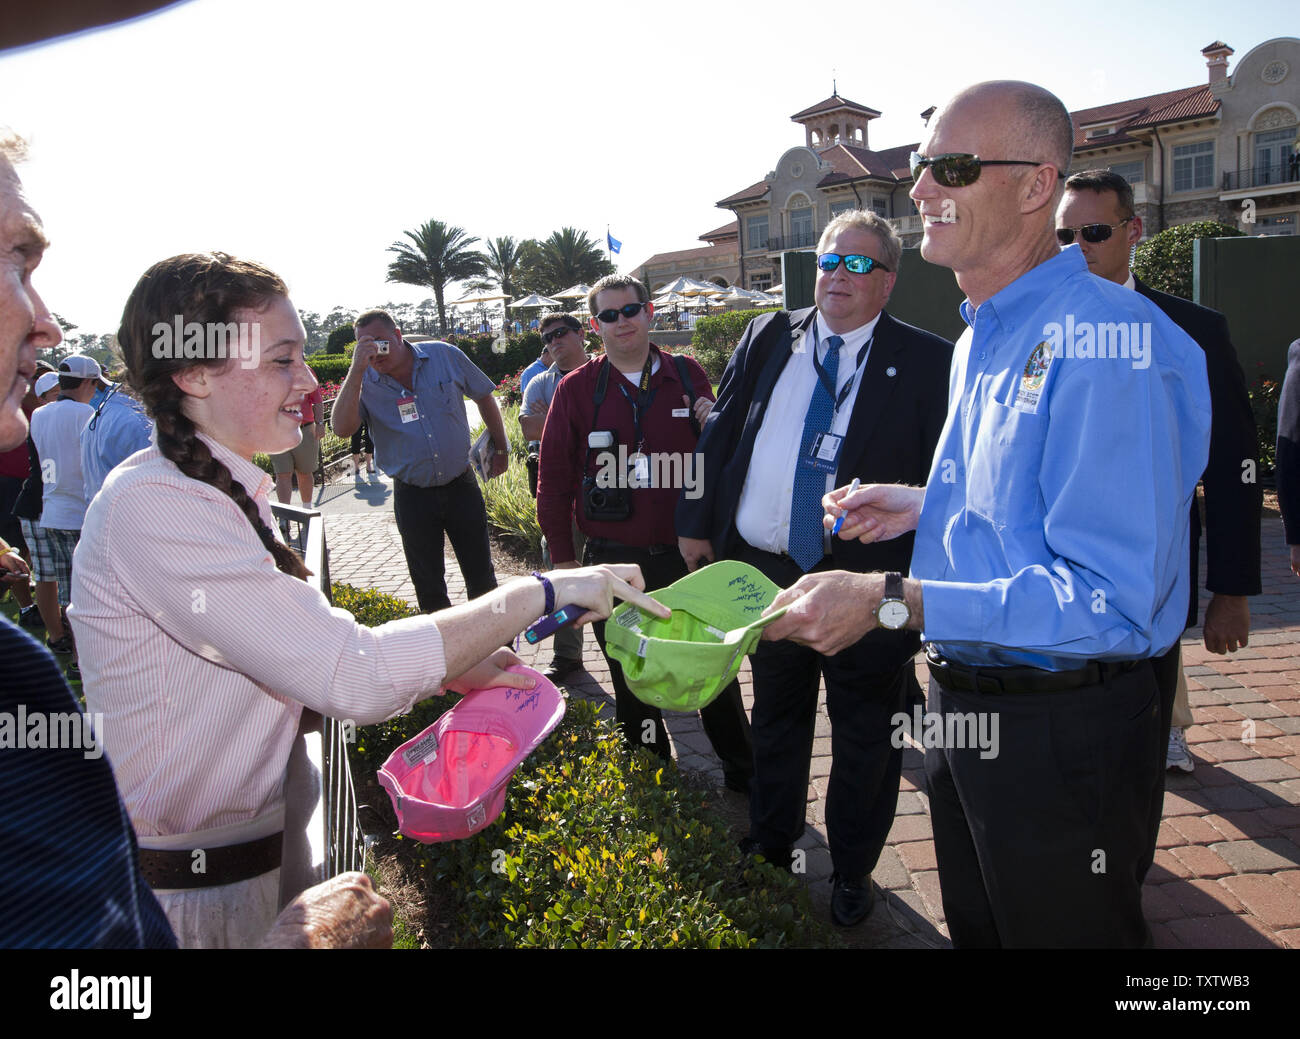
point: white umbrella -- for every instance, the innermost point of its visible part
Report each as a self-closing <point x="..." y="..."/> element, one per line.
<point x="478" y="299"/>
<point x="578" y="291"/>
<point x="534" y="301"/>
<point x="670" y="299"/>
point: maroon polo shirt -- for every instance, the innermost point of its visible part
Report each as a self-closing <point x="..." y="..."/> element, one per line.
<point x="564" y="453"/>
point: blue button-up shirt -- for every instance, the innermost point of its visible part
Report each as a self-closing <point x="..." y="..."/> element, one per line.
<point x="433" y="449"/>
<point x="527" y="375"/>
<point x="1055" y="524"/>
<point x="118" y="430"/>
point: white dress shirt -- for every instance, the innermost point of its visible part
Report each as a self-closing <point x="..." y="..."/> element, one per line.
<point x="763" y="514"/>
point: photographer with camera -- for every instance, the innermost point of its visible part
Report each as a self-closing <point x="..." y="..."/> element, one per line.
<point x="613" y="426"/>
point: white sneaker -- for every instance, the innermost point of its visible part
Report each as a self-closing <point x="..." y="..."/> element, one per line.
<point x="1178" y="756"/>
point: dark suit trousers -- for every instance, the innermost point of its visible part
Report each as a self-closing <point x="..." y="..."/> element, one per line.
<point x="862" y="793"/>
<point x="1166" y="667"/>
<point x="724" y="719"/>
<point x="423" y="515"/>
<point x="1043" y="844"/>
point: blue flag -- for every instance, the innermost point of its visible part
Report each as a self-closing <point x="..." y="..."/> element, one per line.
<point x="614" y="244"/>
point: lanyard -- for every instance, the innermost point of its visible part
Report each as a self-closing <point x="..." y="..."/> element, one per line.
<point x="848" y="386"/>
<point x="644" y="398"/>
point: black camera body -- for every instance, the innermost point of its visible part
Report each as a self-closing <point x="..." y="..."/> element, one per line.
<point x="605" y="504"/>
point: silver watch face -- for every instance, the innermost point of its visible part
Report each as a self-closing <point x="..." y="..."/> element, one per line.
<point x="893" y="614"/>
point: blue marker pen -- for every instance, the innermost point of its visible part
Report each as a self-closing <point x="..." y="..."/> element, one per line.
<point x="839" y="520"/>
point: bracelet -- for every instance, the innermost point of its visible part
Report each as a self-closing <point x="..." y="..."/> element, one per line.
<point x="8" y="550"/>
<point x="549" y="589"/>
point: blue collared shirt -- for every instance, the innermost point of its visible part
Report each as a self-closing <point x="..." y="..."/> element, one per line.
<point x="534" y="369"/>
<point x="119" y="429"/>
<point x="1055" y="524"/>
<point x="432" y="449"/>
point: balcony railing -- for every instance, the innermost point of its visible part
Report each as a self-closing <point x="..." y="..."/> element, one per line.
<point x="1262" y="176"/>
<point x="803" y="240"/>
<point x="906" y="224"/>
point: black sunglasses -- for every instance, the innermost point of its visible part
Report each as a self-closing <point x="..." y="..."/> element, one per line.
<point x="628" y="310"/>
<point x="855" y="264"/>
<point x="1090" y="233"/>
<point x="562" y="330"/>
<point x="960" y="170"/>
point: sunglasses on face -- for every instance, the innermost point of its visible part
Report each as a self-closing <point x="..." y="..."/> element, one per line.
<point x="628" y="310"/>
<point x="855" y="264"/>
<point x="959" y="170"/>
<point x="1090" y="233"/>
<point x="555" y="333"/>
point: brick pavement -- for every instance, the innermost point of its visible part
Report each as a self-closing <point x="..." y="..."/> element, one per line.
<point x="1227" y="868"/>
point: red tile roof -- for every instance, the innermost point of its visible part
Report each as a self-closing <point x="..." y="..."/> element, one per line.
<point x="833" y="102"/>
<point x="731" y="230"/>
<point x="721" y="252"/>
<point x="749" y="194"/>
<point x="850" y="163"/>
<point x="1152" y="110"/>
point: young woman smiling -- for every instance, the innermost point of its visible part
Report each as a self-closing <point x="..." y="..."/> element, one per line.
<point x="200" y="642"/>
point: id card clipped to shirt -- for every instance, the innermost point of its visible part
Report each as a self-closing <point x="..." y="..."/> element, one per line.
<point x="823" y="454"/>
<point x="407" y="410"/>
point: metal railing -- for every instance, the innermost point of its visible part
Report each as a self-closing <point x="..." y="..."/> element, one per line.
<point x="1286" y="172"/>
<point x="804" y="240"/>
<point x="334" y="831"/>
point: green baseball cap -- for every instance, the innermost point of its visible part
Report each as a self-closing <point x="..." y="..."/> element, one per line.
<point x="683" y="663"/>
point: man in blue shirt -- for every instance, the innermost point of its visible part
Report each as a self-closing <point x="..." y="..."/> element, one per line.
<point x="544" y="361"/>
<point x="412" y="398"/>
<point x="118" y="429"/>
<point x="1051" y="545"/>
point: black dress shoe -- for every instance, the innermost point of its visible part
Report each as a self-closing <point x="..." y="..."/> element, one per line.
<point x="851" y="901"/>
<point x="781" y="858"/>
<point x="561" y="668"/>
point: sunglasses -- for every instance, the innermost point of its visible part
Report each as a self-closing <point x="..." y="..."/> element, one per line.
<point x="1090" y="233"/>
<point x="628" y="310"/>
<point x="959" y="170"/>
<point x="555" y="333"/>
<point x="855" y="264"/>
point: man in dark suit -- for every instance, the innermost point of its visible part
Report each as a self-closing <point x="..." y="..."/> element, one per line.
<point x="1098" y="204"/>
<point x="810" y="400"/>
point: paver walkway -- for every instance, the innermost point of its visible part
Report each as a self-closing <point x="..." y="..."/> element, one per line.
<point x="1227" y="872"/>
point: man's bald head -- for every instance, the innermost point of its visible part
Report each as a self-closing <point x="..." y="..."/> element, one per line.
<point x="1028" y="122"/>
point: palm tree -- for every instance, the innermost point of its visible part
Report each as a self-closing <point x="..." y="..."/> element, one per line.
<point x="503" y="264"/>
<point x="439" y="253"/>
<point x="569" y="256"/>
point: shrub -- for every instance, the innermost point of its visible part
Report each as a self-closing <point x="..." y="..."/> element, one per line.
<point x="599" y="849"/>
<point x="340" y="338"/>
<point x="716" y="337"/>
<point x="1164" y="261"/>
<point x="330" y="367"/>
<point x="368" y="606"/>
<point x="1264" y="397"/>
<point x="509" y="504"/>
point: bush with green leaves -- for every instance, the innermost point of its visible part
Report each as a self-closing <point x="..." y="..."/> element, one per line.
<point x="715" y="339"/>
<point x="1164" y="261"/>
<point x="510" y="506"/>
<point x="339" y="339"/>
<point x="597" y="848"/>
<point x="368" y="606"/>
<point x="1264" y="398"/>
<point x="330" y="367"/>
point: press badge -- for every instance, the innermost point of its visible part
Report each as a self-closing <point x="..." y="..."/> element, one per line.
<point x="824" y="453"/>
<point x="681" y="412"/>
<point x="1030" y="390"/>
<point x="640" y="470"/>
<point x="406" y="408"/>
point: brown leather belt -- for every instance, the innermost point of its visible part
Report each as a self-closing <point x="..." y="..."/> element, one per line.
<point x="185" y="868"/>
<point x="953" y="676"/>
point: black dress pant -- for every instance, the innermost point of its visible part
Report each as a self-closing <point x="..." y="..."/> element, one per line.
<point x="1042" y="844"/>
<point x="862" y="793"/>
<point x="424" y="515"/>
<point x="1166" y="668"/>
<point x="724" y="719"/>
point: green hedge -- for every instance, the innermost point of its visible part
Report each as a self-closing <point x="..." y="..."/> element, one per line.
<point x="1164" y="261"/>
<point x="509" y="504"/>
<point x="330" y="367"/>
<point x="715" y="339"/>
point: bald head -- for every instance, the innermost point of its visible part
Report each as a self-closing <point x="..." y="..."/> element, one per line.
<point x="1023" y="120"/>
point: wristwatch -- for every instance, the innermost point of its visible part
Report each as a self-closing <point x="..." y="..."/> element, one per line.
<point x="892" y="613"/>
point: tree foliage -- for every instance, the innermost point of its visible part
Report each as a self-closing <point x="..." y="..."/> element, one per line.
<point x="566" y="257"/>
<point x="436" y="254"/>
<point x="1164" y="261"/>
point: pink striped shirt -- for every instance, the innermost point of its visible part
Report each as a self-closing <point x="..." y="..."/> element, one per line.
<point x="200" y="653"/>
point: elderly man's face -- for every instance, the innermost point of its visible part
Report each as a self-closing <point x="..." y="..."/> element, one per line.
<point x="964" y="227"/>
<point x="25" y="322"/>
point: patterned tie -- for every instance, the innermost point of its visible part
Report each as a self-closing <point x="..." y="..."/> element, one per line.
<point x="806" y="532"/>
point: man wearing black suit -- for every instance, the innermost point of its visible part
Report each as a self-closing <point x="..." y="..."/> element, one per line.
<point x="1098" y="204"/>
<point x="810" y="400"/>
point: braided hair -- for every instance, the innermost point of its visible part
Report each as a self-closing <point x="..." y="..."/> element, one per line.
<point x="201" y="287"/>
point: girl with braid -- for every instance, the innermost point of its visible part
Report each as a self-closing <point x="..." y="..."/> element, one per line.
<point x="201" y="642"/>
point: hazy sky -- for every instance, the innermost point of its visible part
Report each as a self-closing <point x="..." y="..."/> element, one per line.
<point x="309" y="136"/>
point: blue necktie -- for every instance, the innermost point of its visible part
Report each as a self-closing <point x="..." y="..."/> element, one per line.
<point x="806" y="531"/>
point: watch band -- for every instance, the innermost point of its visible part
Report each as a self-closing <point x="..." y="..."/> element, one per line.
<point x="893" y="585"/>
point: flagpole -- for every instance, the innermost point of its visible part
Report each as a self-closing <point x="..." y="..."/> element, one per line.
<point x="609" y="255"/>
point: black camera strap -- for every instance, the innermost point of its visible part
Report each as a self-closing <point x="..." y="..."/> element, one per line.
<point x="644" y="398"/>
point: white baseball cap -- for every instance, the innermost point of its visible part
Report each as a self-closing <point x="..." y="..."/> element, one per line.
<point x="46" y="383"/>
<point x="82" y="367"/>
